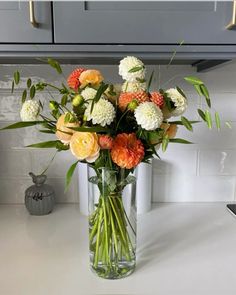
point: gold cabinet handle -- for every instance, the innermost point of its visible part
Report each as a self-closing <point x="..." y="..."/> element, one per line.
<point x="32" y="16"/>
<point x="232" y="24"/>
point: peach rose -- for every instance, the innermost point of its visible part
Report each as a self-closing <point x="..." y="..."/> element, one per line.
<point x="84" y="146"/>
<point x="170" y="129"/>
<point x="92" y="77"/>
<point x="64" y="133"/>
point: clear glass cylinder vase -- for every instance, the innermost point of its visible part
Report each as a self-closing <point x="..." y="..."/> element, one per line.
<point x="112" y="222"/>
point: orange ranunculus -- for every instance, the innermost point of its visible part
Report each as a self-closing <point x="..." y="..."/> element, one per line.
<point x="73" y="79"/>
<point x="64" y="133"/>
<point x="92" y="77"/>
<point x="84" y="146"/>
<point x="127" y="151"/>
<point x="170" y="129"/>
<point x="126" y="97"/>
<point x="105" y="142"/>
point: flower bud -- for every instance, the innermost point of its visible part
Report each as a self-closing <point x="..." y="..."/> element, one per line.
<point x="53" y="105"/>
<point x="133" y="105"/>
<point x="77" y="100"/>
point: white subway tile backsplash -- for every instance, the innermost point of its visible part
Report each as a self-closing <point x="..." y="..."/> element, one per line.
<point x="58" y="168"/>
<point x="221" y="162"/>
<point x="176" y="162"/>
<point x="185" y="188"/>
<point x="15" y="163"/>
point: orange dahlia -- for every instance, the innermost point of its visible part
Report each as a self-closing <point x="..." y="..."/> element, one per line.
<point x="127" y="151"/>
<point x="73" y="79"/>
<point x="126" y="97"/>
<point x="157" y="98"/>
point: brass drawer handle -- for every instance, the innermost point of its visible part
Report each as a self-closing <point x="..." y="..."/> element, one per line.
<point x="32" y="16"/>
<point x="232" y="24"/>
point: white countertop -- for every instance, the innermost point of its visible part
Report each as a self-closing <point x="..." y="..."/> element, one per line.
<point x="182" y="249"/>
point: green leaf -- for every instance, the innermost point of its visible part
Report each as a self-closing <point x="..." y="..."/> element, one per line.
<point x="150" y="81"/>
<point x="91" y="129"/>
<point x="47" y="131"/>
<point x="32" y="91"/>
<point x="193" y="80"/>
<point x="102" y="88"/>
<point x="55" y="64"/>
<point x="45" y="144"/>
<point x="12" y="86"/>
<point x="64" y="100"/>
<point x="208" y="119"/>
<point x="24" y="95"/>
<point x="180" y="140"/>
<point x="181" y="91"/>
<point x="165" y="142"/>
<point x="228" y="125"/>
<point x="136" y="69"/>
<point x="201" y="114"/>
<point x="181" y="123"/>
<point x="22" y="125"/>
<point x="67" y="118"/>
<point x="198" y="89"/>
<point x="186" y="123"/>
<point x="205" y="93"/>
<point x="70" y="173"/>
<point x="28" y="83"/>
<point x="217" y="118"/>
<point x="17" y="77"/>
<point x="140" y="80"/>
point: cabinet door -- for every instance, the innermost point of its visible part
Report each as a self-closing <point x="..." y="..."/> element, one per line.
<point x="15" y="25"/>
<point x="158" y="22"/>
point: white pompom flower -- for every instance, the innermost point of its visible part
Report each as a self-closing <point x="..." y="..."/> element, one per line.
<point x="103" y="112"/>
<point x="133" y="86"/>
<point x="88" y="93"/>
<point x="180" y="102"/>
<point x="148" y="115"/>
<point x="131" y="69"/>
<point x="30" y="110"/>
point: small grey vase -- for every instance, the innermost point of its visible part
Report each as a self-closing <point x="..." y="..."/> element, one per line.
<point x="40" y="197"/>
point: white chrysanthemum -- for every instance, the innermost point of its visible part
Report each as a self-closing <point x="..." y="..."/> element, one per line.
<point x="148" y="115"/>
<point x="133" y="86"/>
<point x="30" y="110"/>
<point x="103" y="112"/>
<point x="128" y="64"/>
<point x="179" y="101"/>
<point x="88" y="93"/>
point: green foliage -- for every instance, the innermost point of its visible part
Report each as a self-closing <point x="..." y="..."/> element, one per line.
<point x="32" y="91"/>
<point x="136" y="69"/>
<point x="17" y="77"/>
<point x="69" y="174"/>
<point x="55" y="64"/>
<point x="208" y="119"/>
<point x="22" y="125"/>
<point x="180" y="140"/>
<point x="217" y="119"/>
<point x="165" y="142"/>
<point x="186" y="123"/>
<point x="24" y="95"/>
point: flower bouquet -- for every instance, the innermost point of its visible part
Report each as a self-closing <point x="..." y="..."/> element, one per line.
<point x="112" y="129"/>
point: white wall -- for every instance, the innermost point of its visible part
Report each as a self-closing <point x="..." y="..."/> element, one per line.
<point x="201" y="172"/>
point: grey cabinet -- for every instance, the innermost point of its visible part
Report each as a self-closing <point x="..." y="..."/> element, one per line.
<point x="91" y="22"/>
<point x="15" y="25"/>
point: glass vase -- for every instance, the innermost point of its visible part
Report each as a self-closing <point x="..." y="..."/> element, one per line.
<point x="112" y="222"/>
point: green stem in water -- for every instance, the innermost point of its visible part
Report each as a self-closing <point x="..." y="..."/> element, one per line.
<point x="98" y="238"/>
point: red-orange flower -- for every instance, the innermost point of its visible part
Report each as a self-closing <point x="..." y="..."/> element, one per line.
<point x="105" y="142"/>
<point x="73" y="79"/>
<point x="127" y="151"/>
<point x="126" y="97"/>
<point x="157" y="98"/>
